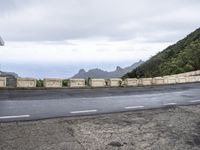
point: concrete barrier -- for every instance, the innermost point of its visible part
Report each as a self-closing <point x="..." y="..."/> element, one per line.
<point x="184" y="74"/>
<point x="169" y="80"/>
<point x="26" y="82"/>
<point x="2" y="81"/>
<point x="174" y="76"/>
<point x="73" y="83"/>
<point x="158" y="80"/>
<point x="97" y="82"/>
<point x="181" y="75"/>
<point x="187" y="74"/>
<point x="181" y="79"/>
<point x="166" y="76"/>
<point x="192" y="73"/>
<point x="114" y="82"/>
<point x="192" y="79"/>
<point x="198" y="78"/>
<point x="131" y="82"/>
<point x="140" y="82"/>
<point x="146" y="81"/>
<point x="52" y="83"/>
<point x="198" y="72"/>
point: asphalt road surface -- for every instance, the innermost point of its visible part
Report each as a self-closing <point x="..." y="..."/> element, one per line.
<point x="34" y="104"/>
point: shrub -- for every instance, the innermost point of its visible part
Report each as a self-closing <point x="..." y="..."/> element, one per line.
<point x="40" y="83"/>
<point x="65" y="83"/>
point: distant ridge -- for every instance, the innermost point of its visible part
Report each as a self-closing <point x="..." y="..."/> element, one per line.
<point x="98" y="73"/>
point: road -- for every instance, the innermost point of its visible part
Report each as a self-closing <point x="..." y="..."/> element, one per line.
<point x="32" y="104"/>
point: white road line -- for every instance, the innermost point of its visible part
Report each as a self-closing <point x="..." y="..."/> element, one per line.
<point x="167" y="104"/>
<point x="10" y="117"/>
<point x="133" y="107"/>
<point x="83" y="111"/>
<point x="194" y="101"/>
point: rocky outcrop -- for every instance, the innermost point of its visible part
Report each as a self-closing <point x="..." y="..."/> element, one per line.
<point x="98" y="73"/>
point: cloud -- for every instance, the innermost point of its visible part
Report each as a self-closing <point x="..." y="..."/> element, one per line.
<point x="52" y="20"/>
<point x="78" y="51"/>
<point x="74" y="32"/>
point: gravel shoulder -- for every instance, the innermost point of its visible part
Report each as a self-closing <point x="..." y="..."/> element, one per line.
<point x="176" y="128"/>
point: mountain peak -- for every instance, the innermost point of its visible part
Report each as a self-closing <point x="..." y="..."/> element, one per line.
<point x="98" y="73"/>
<point x="118" y="68"/>
<point x="81" y="71"/>
<point x="140" y="61"/>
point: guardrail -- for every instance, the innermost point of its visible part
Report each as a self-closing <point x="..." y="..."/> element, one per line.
<point x="52" y="83"/>
<point x="2" y="81"/>
<point x="76" y="83"/>
<point x="26" y="82"/>
<point x="187" y="77"/>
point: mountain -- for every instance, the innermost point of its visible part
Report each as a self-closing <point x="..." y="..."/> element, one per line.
<point x="2" y="73"/>
<point x="10" y="78"/>
<point x="181" y="57"/>
<point x="98" y="73"/>
<point x="1" y="42"/>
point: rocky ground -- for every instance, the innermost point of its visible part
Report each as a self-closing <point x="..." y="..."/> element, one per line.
<point x="175" y="128"/>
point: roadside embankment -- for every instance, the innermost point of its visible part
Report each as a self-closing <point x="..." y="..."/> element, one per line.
<point x="158" y="129"/>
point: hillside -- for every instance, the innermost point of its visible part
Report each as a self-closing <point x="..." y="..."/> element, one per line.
<point x="98" y="73"/>
<point x="181" y="57"/>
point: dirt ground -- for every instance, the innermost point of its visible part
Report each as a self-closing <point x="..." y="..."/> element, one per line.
<point x="175" y="128"/>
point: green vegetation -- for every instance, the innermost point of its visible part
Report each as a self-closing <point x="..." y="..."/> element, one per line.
<point x="181" y="57"/>
<point x="40" y="83"/>
<point x="65" y="83"/>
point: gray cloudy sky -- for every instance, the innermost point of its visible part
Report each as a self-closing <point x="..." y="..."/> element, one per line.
<point x="56" y="38"/>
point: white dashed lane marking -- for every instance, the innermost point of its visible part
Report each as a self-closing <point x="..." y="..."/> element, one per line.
<point x="194" y="101"/>
<point x="133" y="107"/>
<point x="83" y="111"/>
<point x="18" y="116"/>
<point x="168" y="104"/>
